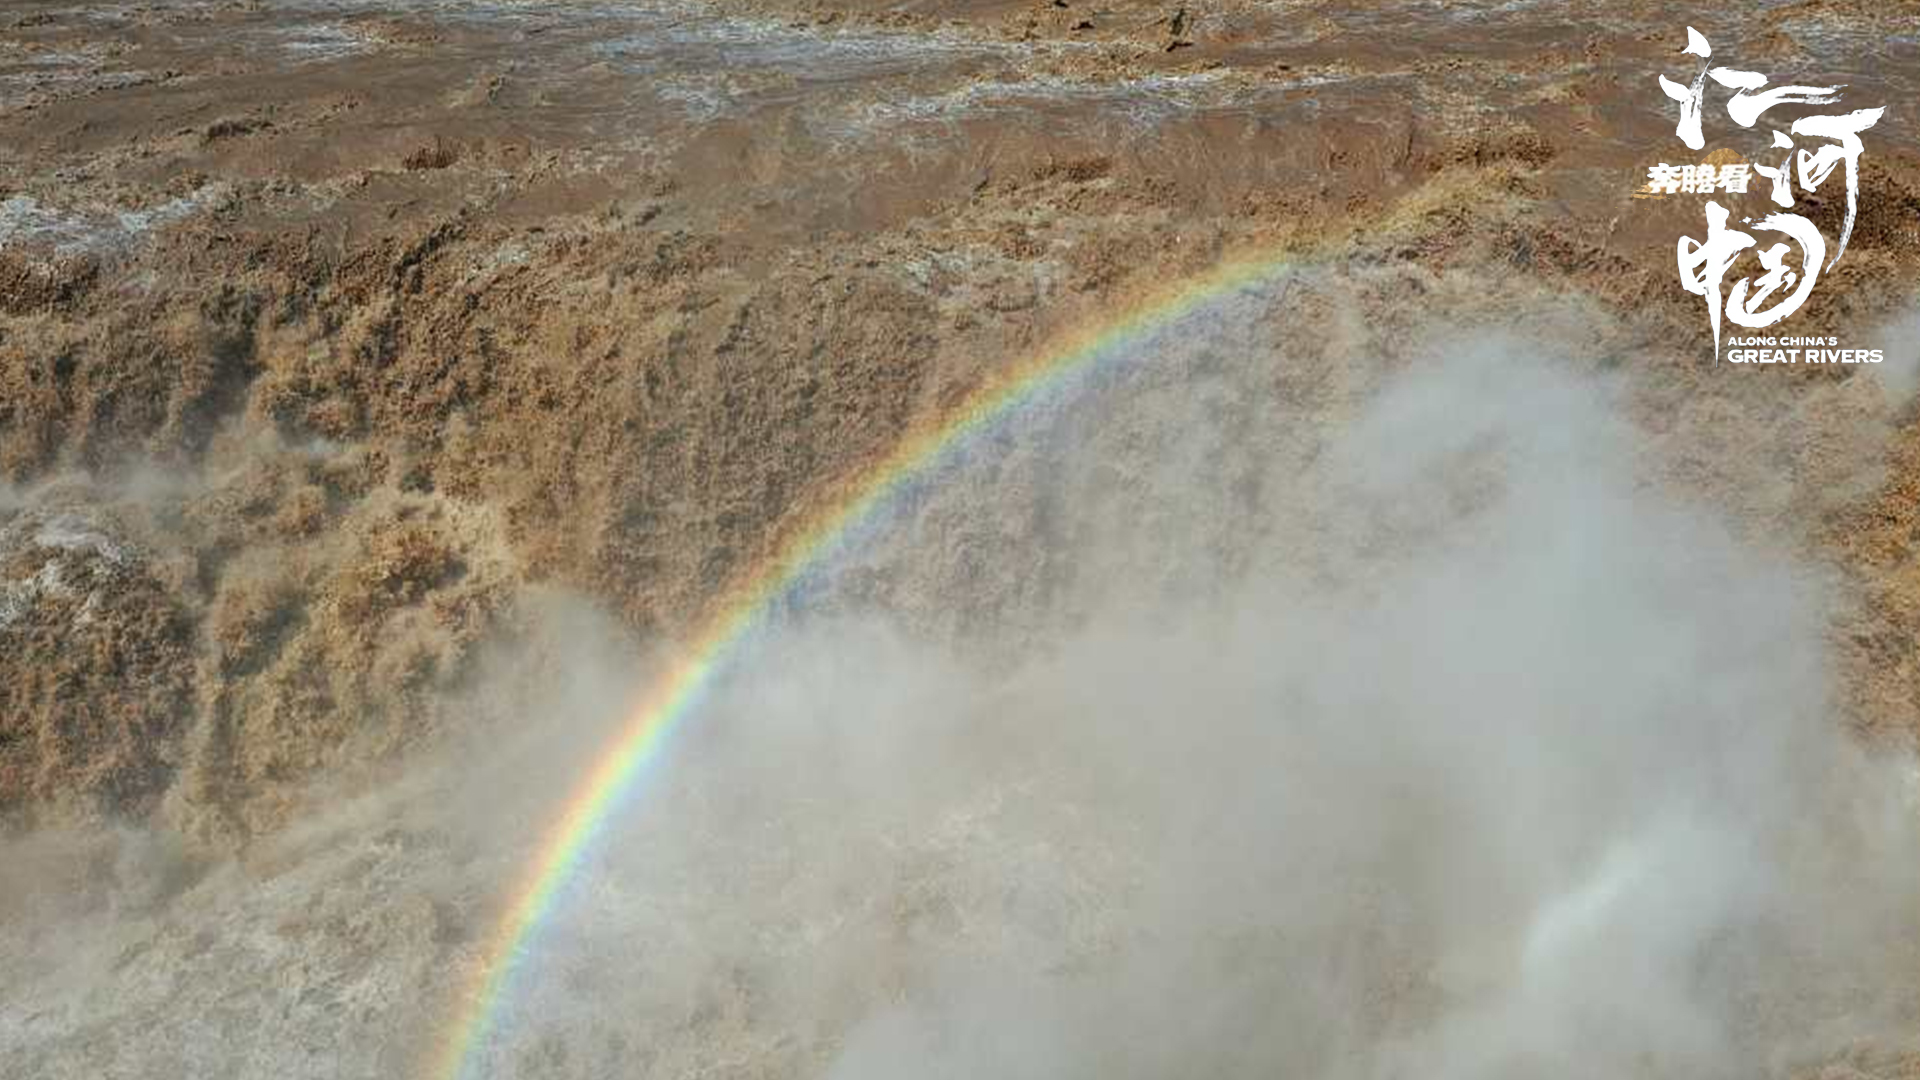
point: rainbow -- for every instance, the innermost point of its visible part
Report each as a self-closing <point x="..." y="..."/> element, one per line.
<point x="755" y="595"/>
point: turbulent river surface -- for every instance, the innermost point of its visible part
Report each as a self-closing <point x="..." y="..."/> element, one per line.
<point x="1406" y="655"/>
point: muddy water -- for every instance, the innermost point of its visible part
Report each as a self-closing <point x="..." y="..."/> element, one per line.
<point x="792" y="128"/>
<point x="335" y="950"/>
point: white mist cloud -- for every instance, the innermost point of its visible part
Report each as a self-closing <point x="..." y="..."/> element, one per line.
<point x="1525" y="768"/>
<point x="1899" y="370"/>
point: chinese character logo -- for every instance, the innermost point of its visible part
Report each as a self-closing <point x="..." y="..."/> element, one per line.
<point x="1780" y="289"/>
